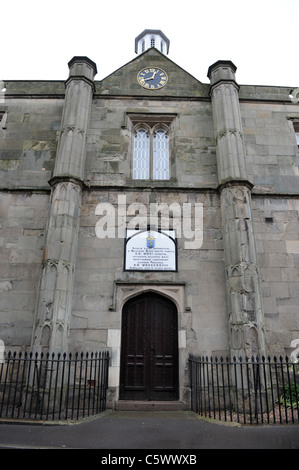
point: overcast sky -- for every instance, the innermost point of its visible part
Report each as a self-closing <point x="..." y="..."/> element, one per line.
<point x="260" y="36"/>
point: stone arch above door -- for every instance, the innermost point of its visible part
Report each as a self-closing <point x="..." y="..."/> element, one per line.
<point x="123" y="291"/>
<point x="175" y="292"/>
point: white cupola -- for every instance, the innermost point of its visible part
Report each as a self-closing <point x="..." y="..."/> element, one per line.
<point x="152" y="38"/>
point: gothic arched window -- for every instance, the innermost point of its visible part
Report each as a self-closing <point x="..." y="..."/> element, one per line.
<point x="152" y="42"/>
<point x="151" y="153"/>
<point x="151" y="145"/>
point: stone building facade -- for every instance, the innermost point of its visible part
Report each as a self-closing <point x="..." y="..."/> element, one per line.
<point x="78" y="168"/>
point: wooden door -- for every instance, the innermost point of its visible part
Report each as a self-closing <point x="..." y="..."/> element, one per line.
<point x="149" y="349"/>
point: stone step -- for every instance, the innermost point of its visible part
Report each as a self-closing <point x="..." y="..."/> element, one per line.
<point x="134" y="405"/>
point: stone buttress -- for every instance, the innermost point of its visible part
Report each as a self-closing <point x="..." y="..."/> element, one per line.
<point x="54" y="303"/>
<point x="246" y="317"/>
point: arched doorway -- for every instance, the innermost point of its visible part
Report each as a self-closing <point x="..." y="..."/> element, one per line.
<point x="149" y="349"/>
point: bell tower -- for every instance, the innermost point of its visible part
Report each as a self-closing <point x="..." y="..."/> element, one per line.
<point x="152" y="38"/>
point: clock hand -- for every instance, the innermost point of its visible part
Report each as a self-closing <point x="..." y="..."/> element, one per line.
<point x="151" y="78"/>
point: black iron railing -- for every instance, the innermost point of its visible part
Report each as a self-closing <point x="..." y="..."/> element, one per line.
<point x="253" y="391"/>
<point x="53" y="386"/>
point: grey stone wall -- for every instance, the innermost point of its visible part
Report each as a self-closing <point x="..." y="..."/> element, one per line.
<point x="23" y="218"/>
<point x="110" y="140"/>
<point x="28" y="147"/>
<point x="100" y="265"/>
<point x="277" y="240"/>
<point x="28" y="144"/>
<point x="272" y="156"/>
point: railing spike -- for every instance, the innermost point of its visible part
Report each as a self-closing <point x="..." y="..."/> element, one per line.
<point x="48" y="386"/>
<point x="249" y="395"/>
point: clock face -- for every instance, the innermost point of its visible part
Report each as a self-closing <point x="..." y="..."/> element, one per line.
<point x="152" y="78"/>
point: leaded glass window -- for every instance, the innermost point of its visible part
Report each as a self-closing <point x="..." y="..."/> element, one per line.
<point x="160" y="155"/>
<point x="151" y="145"/>
<point x="151" y="153"/>
<point x="141" y="154"/>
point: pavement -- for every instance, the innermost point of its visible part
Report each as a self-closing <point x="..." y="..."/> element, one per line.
<point x="136" y="430"/>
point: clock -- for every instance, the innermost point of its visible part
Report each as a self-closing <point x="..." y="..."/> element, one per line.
<point x="152" y="78"/>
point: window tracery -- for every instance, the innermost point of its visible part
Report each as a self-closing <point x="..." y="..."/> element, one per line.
<point x="151" y="134"/>
<point x="151" y="152"/>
